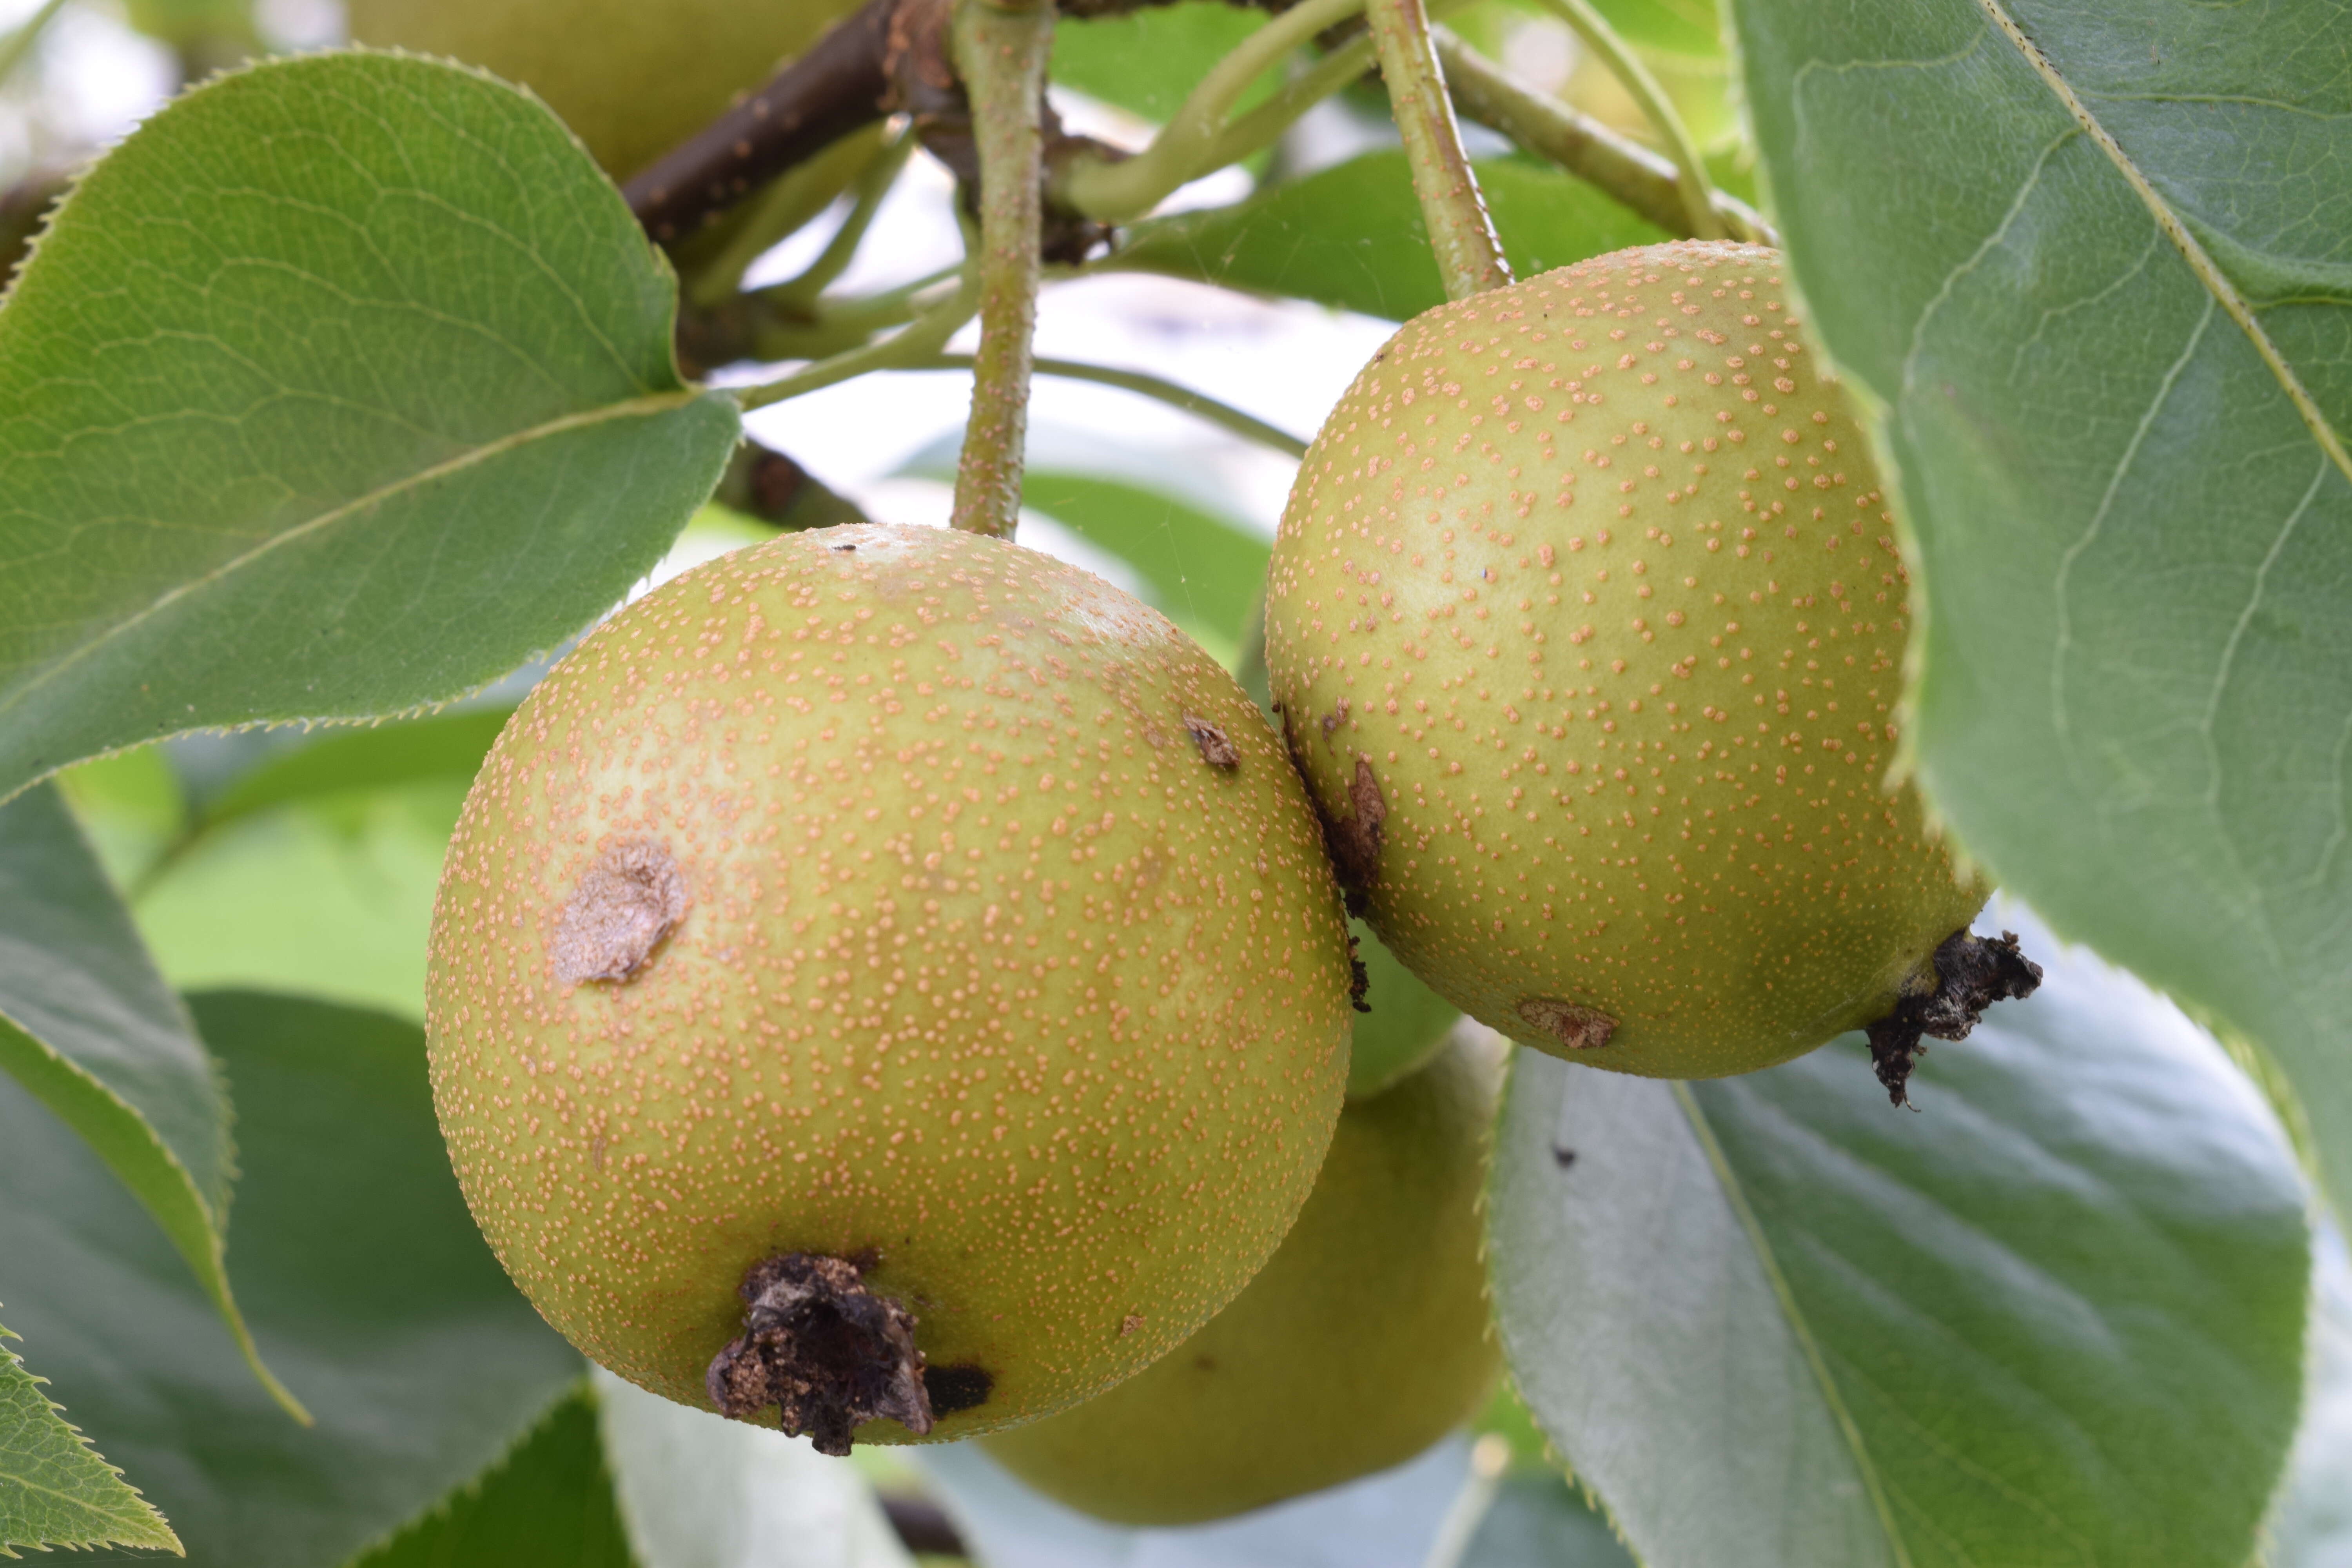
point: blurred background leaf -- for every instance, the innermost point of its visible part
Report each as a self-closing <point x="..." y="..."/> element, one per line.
<point x="89" y="1029"/>
<point x="548" y="1501"/>
<point x="701" y="1492"/>
<point x="1352" y="236"/>
<point x="1147" y="61"/>
<point x="2057" y="1316"/>
<point x="2311" y="1522"/>
<point x="362" y="1275"/>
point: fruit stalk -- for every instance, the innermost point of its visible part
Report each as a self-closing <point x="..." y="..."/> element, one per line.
<point x="1484" y="91"/>
<point x="1469" y="255"/>
<point x="1697" y="190"/>
<point x="1000" y="51"/>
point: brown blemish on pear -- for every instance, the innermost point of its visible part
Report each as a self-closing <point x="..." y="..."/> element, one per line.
<point x="1593" y="582"/>
<point x="630" y="898"/>
<point x="932" y="961"/>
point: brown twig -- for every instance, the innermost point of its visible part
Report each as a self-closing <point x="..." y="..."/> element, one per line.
<point x="844" y="81"/>
<point x="923" y="1527"/>
<point x="764" y="483"/>
<point x="887" y="57"/>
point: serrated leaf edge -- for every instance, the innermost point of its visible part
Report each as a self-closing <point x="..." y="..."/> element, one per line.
<point x="170" y="1539"/>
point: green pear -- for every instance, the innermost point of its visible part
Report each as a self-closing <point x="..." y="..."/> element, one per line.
<point x="849" y="989"/>
<point x="1363" y="1341"/>
<point x="1587" y="619"/>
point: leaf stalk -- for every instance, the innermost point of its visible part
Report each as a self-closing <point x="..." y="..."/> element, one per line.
<point x="1697" y="192"/>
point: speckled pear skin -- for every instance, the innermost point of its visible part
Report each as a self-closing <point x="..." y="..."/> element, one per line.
<point x="1592" y="580"/>
<point x="986" y="977"/>
<point x="1364" y="1341"/>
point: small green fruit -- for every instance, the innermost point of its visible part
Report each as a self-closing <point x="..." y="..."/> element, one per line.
<point x="877" y="926"/>
<point x="1363" y="1341"/>
<point x="1587" y="622"/>
<point x="1406" y="1022"/>
<point x="632" y="78"/>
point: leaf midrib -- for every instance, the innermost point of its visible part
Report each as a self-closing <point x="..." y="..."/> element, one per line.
<point x="2208" y="272"/>
<point x="634" y="407"/>
<point x="1794" y="1314"/>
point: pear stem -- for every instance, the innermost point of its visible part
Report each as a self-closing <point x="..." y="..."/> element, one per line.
<point x="1469" y="254"/>
<point x="925" y="336"/>
<point x="1697" y="190"/>
<point x="1145" y="385"/>
<point x="873" y="183"/>
<point x="1001" y="48"/>
<point x="1582" y="146"/>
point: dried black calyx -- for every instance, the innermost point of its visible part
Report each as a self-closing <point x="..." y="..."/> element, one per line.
<point x="824" y="1349"/>
<point x="1360" y="979"/>
<point x="1946" y="995"/>
<point x="963" y="1386"/>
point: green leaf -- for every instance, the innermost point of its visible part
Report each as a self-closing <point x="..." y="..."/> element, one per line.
<point x="1540" y="1521"/>
<point x="361" y="1273"/>
<point x="549" y="1500"/>
<point x="55" y="1490"/>
<point x="1147" y="61"/>
<point x="1677" y="27"/>
<point x="1407" y="1024"/>
<point x="2055" y="1317"/>
<point x="341" y="386"/>
<point x="701" y="1492"/>
<point x="1352" y="236"/>
<point x="1204" y="570"/>
<point x="2123" y="468"/>
<point x="331" y="897"/>
<point x="442" y="746"/>
<point x="90" y="1028"/>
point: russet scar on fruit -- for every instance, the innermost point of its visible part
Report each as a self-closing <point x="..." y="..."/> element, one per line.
<point x="1586" y="620"/>
<point x="848" y="988"/>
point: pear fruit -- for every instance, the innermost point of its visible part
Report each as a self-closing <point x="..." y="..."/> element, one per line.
<point x="632" y="78"/>
<point x="849" y="997"/>
<point x="1587" y="620"/>
<point x="1363" y="1341"/>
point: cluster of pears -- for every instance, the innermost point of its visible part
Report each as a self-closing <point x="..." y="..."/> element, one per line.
<point x="892" y="985"/>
